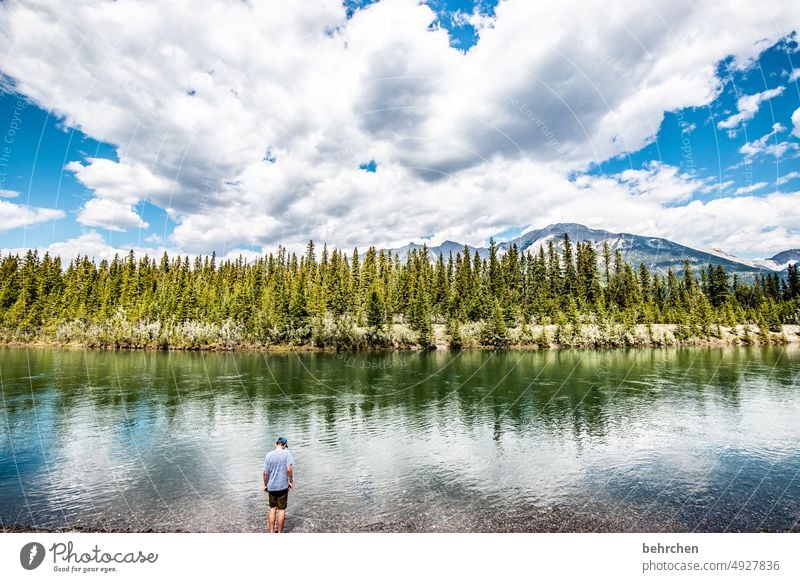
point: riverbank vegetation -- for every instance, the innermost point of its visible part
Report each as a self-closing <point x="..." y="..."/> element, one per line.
<point x="332" y="300"/>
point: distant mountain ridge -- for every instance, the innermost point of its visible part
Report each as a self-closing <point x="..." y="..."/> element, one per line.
<point x="785" y="258"/>
<point x="658" y="254"/>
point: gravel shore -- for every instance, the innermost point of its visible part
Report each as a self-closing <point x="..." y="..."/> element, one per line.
<point x="545" y="519"/>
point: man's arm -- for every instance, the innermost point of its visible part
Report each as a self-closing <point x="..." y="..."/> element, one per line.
<point x="291" y="479"/>
<point x="265" y="475"/>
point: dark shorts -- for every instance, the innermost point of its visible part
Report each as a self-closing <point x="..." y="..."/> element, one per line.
<point x="278" y="498"/>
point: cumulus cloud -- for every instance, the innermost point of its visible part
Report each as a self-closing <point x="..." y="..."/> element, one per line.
<point x="660" y="183"/>
<point x="94" y="245"/>
<point x="616" y="202"/>
<point x="117" y="187"/>
<point x="90" y="244"/>
<point x="748" y="106"/>
<point x="796" y="123"/>
<point x="18" y="215"/>
<point x="110" y="214"/>
<point x="247" y="122"/>
<point x="706" y="223"/>
<point x="8" y="193"/>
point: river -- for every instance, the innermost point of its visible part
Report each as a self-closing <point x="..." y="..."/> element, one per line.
<point x="689" y="439"/>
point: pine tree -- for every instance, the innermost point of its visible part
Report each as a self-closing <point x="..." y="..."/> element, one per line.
<point x="286" y="298"/>
<point x="793" y="282"/>
<point x="570" y="273"/>
<point x="453" y="330"/>
<point x="494" y="331"/>
<point x="423" y="326"/>
<point x="375" y="309"/>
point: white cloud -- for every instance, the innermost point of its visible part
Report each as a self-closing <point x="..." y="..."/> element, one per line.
<point x="8" y="194"/>
<point x="715" y="185"/>
<point x="478" y="20"/>
<point x="18" y="215"/>
<point x="467" y="143"/>
<point x="110" y="214"/>
<point x="728" y="223"/>
<point x="751" y="188"/>
<point x="660" y="183"/>
<point x="93" y="244"/>
<point x="613" y="202"/>
<point x="796" y="123"/>
<point x="794" y="75"/>
<point x="748" y="106"/>
<point x="117" y="188"/>
<point x="788" y="178"/>
<point x="768" y="144"/>
<point x="90" y="244"/>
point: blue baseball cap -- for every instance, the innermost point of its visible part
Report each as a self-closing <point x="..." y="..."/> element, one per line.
<point x="282" y="440"/>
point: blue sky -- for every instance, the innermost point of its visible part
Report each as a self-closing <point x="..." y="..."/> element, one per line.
<point x="647" y="121"/>
<point x="691" y="139"/>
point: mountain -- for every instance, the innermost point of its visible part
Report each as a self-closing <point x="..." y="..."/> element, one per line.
<point x="444" y="249"/>
<point x="783" y="259"/>
<point x="657" y="253"/>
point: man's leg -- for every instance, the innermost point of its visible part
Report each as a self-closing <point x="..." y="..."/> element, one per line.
<point x="272" y="511"/>
<point x="281" y="517"/>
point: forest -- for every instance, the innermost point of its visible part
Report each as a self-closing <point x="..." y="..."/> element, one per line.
<point x="562" y="295"/>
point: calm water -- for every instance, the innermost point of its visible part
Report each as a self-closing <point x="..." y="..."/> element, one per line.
<point x="640" y="440"/>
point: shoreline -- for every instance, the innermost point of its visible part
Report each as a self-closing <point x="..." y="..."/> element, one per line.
<point x="535" y="524"/>
<point x="540" y="337"/>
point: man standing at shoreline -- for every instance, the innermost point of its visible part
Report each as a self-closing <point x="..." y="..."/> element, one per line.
<point x="278" y="481"/>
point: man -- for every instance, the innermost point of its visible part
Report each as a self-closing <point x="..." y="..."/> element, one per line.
<point x="278" y="481"/>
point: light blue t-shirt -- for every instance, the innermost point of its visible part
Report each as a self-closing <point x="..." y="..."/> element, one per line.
<point x="275" y="464"/>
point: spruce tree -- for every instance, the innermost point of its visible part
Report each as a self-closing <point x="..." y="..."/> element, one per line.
<point x="494" y="332"/>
